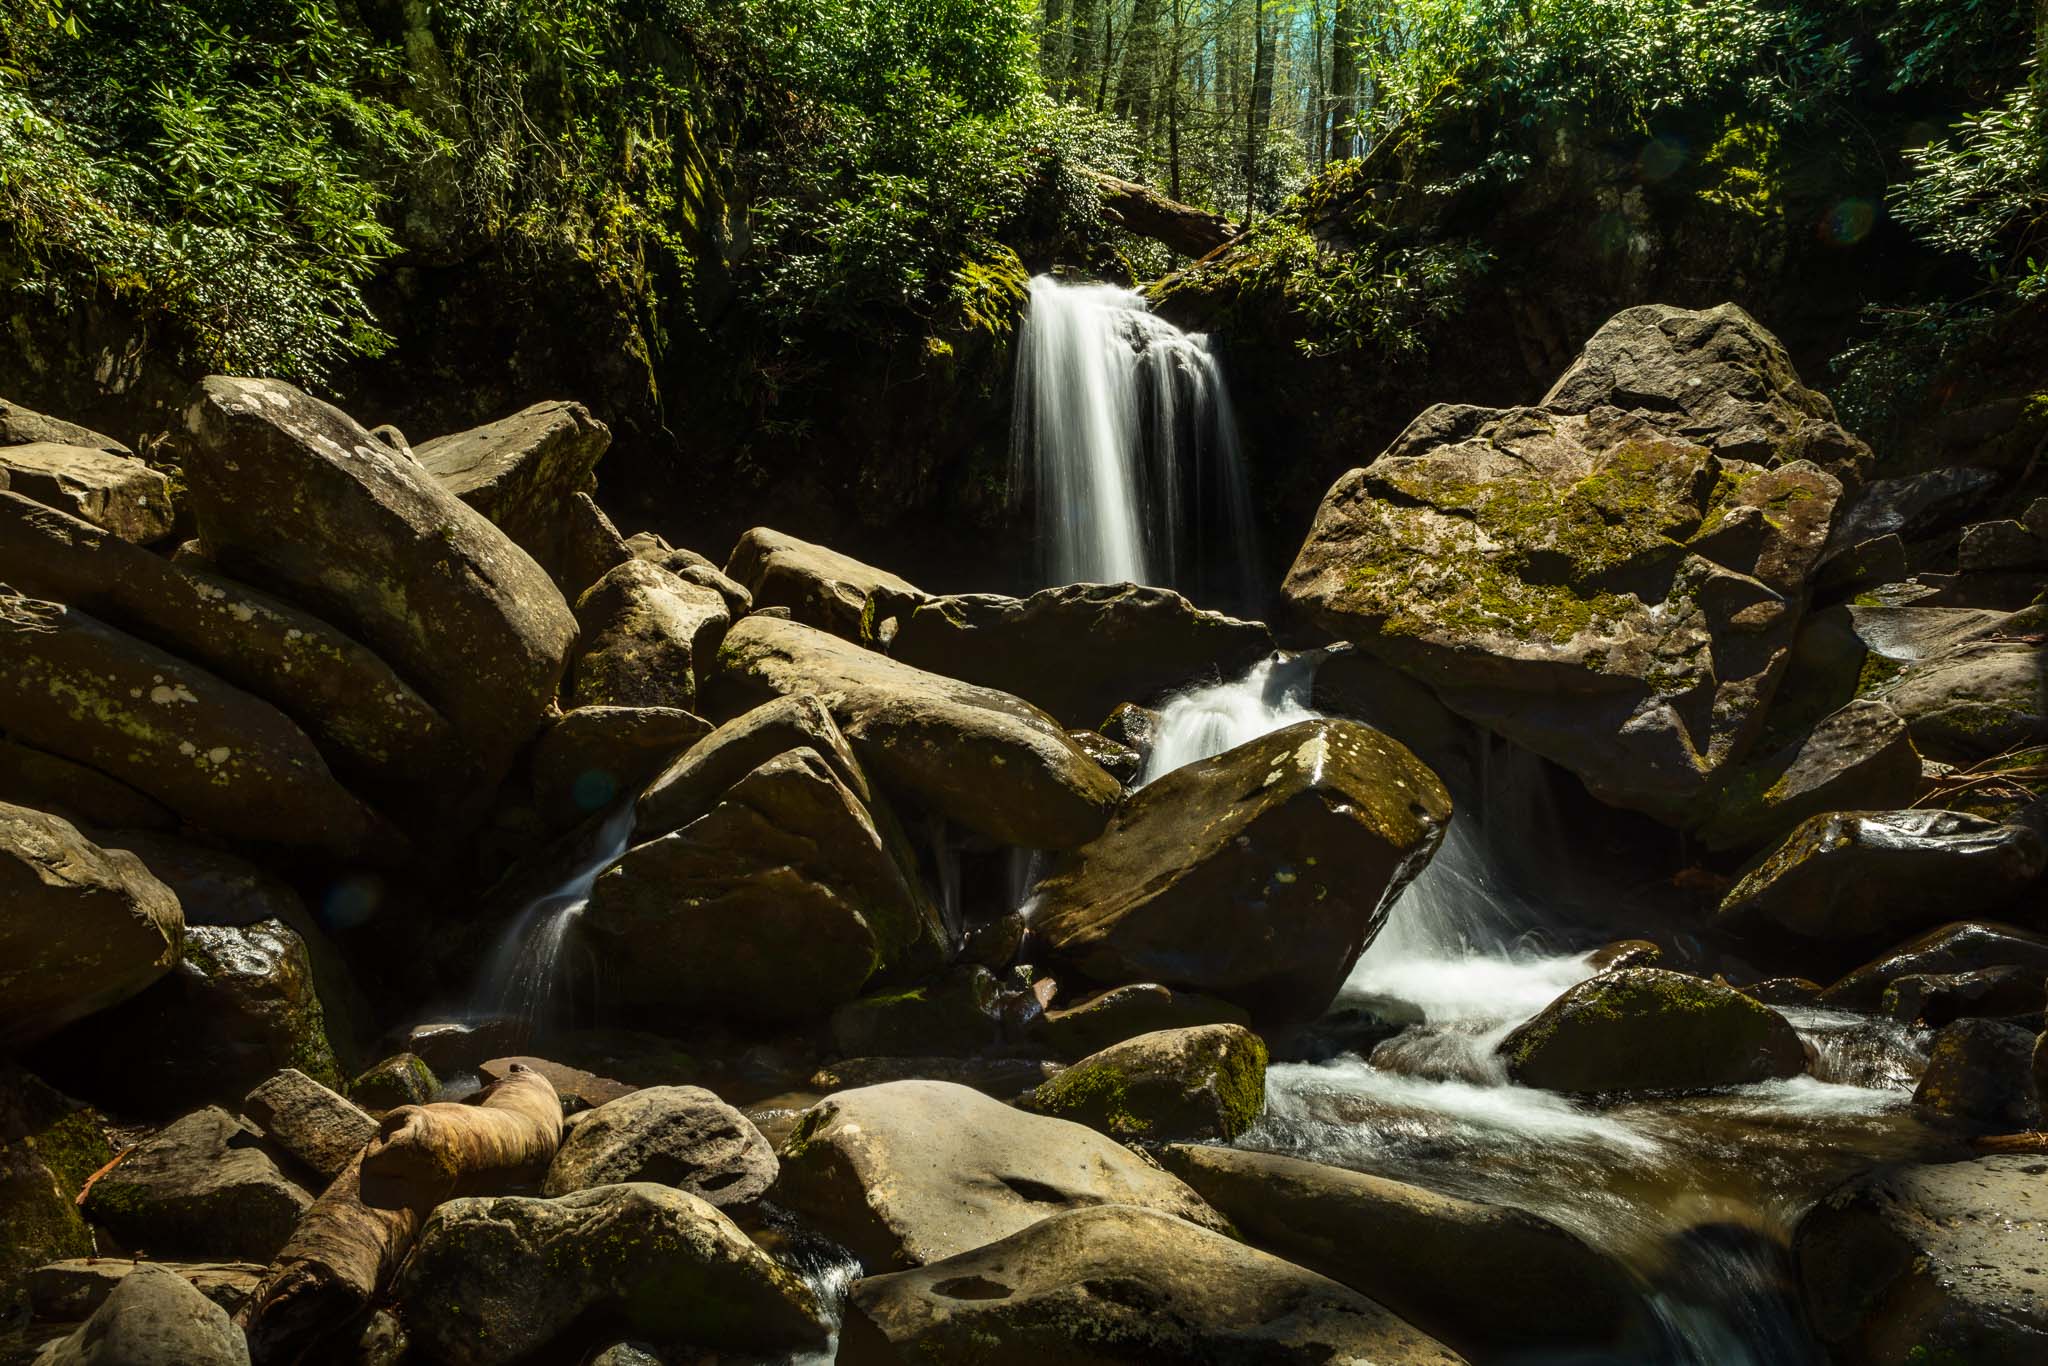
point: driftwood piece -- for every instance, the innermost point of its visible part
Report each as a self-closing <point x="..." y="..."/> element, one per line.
<point x="348" y="1246"/>
<point x="1142" y="209"/>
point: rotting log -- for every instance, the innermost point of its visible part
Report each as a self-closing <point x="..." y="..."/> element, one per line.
<point x="1143" y="210"/>
<point x="348" y="1246"/>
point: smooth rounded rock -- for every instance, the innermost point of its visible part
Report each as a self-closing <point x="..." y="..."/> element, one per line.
<point x="1203" y="1082"/>
<point x="681" y="1136"/>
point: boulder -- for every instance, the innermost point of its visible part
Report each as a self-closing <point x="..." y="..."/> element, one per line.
<point x="594" y="756"/>
<point x="367" y="721"/>
<point x="82" y="795"/>
<point x="1925" y="1264"/>
<point x="401" y="1079"/>
<point x="1131" y="726"/>
<point x="1963" y="946"/>
<point x="2010" y="543"/>
<point x="647" y="636"/>
<point x="154" y="1317"/>
<point x="523" y="472"/>
<point x="70" y="1290"/>
<point x="1982" y="1073"/>
<point x="201" y="1187"/>
<point x="315" y="1125"/>
<point x="681" y="1136"/>
<point x="21" y="426"/>
<point x="1615" y="590"/>
<point x="780" y="902"/>
<point x="1979" y="698"/>
<point x="990" y="761"/>
<point x="1204" y="1082"/>
<point x="957" y="1015"/>
<point x="1910" y="506"/>
<point x="1003" y="1078"/>
<point x="512" y="1278"/>
<point x="1121" y="762"/>
<point x="591" y="546"/>
<point x="1491" y="1280"/>
<point x="913" y="1172"/>
<point x="1860" y="755"/>
<point x="820" y="587"/>
<point x="1122" y="1285"/>
<point x="691" y="567"/>
<point x="1078" y="650"/>
<point x="1109" y="1017"/>
<point x="1646" y="1029"/>
<point x="81" y="927"/>
<point x="1933" y="999"/>
<point x="49" y="1147"/>
<point x="218" y="756"/>
<point x="695" y="780"/>
<point x="1258" y="876"/>
<point x="576" y="1086"/>
<point x="1853" y="875"/>
<point x="117" y="493"/>
<point x="291" y="493"/>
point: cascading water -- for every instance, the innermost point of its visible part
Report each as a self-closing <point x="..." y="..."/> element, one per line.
<point x="1123" y="439"/>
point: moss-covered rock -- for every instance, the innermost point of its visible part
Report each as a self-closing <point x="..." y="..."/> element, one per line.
<point x="1646" y="1030"/>
<point x="1204" y="1082"/>
<point x="954" y="1016"/>
<point x="1981" y="1072"/>
<point x="49" y="1146"/>
<point x="401" y="1079"/>
<point x="1108" y="1017"/>
<point x="647" y="638"/>
<point x="200" y="1188"/>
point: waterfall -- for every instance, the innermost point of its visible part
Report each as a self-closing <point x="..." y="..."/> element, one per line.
<point x="1122" y="437"/>
<point x="1206" y="721"/>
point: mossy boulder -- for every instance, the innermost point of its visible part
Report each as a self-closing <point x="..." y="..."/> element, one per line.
<point x="1108" y="1017"/>
<point x="1858" y="756"/>
<point x="401" y="1079"/>
<point x="152" y="1317"/>
<point x="49" y="1146"/>
<point x="647" y="637"/>
<point x="493" y="1281"/>
<point x="1981" y="1072"/>
<point x="1648" y="1030"/>
<point x="1203" y="1082"/>
<point x="201" y="1188"/>
<point x="1257" y="876"/>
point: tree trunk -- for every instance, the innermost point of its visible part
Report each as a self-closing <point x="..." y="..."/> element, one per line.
<point x="348" y="1245"/>
<point x="1344" y="81"/>
<point x="1140" y="75"/>
<point x="1052" y="44"/>
<point x="1188" y="230"/>
<point x="1081" y="23"/>
<point x="1259" y="109"/>
<point x="1173" y="79"/>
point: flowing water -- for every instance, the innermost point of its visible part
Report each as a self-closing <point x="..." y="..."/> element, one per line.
<point x="1123" y="440"/>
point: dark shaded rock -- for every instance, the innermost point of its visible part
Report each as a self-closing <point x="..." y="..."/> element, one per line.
<point x="81" y="927"/>
<point x="681" y="1136"/>
<point x="1852" y="875"/>
<point x="1489" y="1280"/>
<point x="315" y="1125"/>
<point x="1258" y="876"/>
<point x="1968" y="681"/>
<point x="2007" y="544"/>
<point x="1645" y="1029"/>
<point x="1860" y="756"/>
<point x="1963" y="946"/>
<point x="591" y="546"/>
<point x="916" y="1171"/>
<point x="1982" y="1072"/>
<point x="1201" y="1082"/>
<point x="954" y="1016"/>
<point x="71" y="1290"/>
<point x="218" y="756"/>
<point x="1910" y="506"/>
<point x="1625" y="953"/>
<point x="693" y="568"/>
<point x="1003" y="1078"/>
<point x="1122" y="1285"/>
<point x="699" y="777"/>
<point x="49" y="1147"/>
<point x="1784" y="991"/>
<point x="511" y="1278"/>
<point x="1121" y="762"/>
<point x="400" y="1079"/>
<point x="819" y="587"/>
<point x="595" y="756"/>
<point x="199" y="1188"/>
<point x="85" y="796"/>
<point x="1354" y="683"/>
<point x="21" y="426"/>
<point x="154" y="1317"/>
<point x="1131" y="726"/>
<point x="1934" y="999"/>
<point x="1931" y="1264"/>
<point x="451" y="1046"/>
<point x="115" y="492"/>
<point x="291" y="493"/>
<point x="523" y="471"/>
<point x="647" y="638"/>
<point x="1109" y="1017"/>
<point x="988" y="760"/>
<point x="1078" y="650"/>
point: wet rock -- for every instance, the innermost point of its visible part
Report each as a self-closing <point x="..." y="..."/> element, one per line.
<point x="199" y="1188"/>
<point x="1078" y="650"/>
<point x="1121" y="762"/>
<point x="21" y="426"/>
<point x="451" y="1046"/>
<point x="401" y="1079"/>
<point x="69" y="1291"/>
<point x="510" y="1278"/>
<point x="1784" y="991"/>
<point x="594" y="756"/>
<point x="1625" y="953"/>
<point x="1122" y="1285"/>
<point x="956" y="1015"/>
<point x="1934" y="999"/>
<point x="315" y="1125"/>
<point x="1853" y="875"/>
<point x="916" y="1171"/>
<point x="1963" y="946"/>
<point x="1645" y="1029"/>
<point x="681" y="1136"/>
<point x="1204" y="1082"/>
<point x="1490" y="1280"/>
<point x="81" y="927"/>
<point x="366" y="720"/>
<point x="1860" y="756"/>
<point x="1982" y="1072"/>
<point x="988" y="760"/>
<point x="1131" y="726"/>
<point x="1003" y="1078"/>
<point x="780" y="902"/>
<point x="819" y="587"/>
<point x="218" y="756"/>
<point x="291" y="493"/>
<point x="1615" y="590"/>
<point x="1353" y="683"/>
<point x="117" y="493"/>
<point x="1258" y="876"/>
<point x="81" y="795"/>
<point x="154" y="1317"/>
<point x="1109" y="1017"/>
<point x="49" y="1147"/>
<point x="523" y="471"/>
<point x="647" y="636"/>
<point x="627" y="1354"/>
<point x="1931" y="1264"/>
<point x="1967" y="681"/>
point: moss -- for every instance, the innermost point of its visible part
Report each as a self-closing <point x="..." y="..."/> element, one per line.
<point x="73" y="1149"/>
<point x="1241" y="1086"/>
<point x="1098" y="1094"/>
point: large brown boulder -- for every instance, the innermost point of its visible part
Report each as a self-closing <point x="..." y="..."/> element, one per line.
<point x="681" y="1136"/>
<point x="49" y="1147"/>
<point x="1961" y="946"/>
<point x="201" y="1188"/>
<point x="20" y="426"/>
<point x="1258" y="876"/>
<point x="594" y="756"/>
<point x="1202" y="1082"/>
<point x="523" y="472"/>
<point x="81" y="927"/>
<point x="992" y="762"/>
<point x="152" y="1317"/>
<point x="115" y="492"/>
<point x="647" y="638"/>
<point x="291" y="493"/>
<point x="819" y="586"/>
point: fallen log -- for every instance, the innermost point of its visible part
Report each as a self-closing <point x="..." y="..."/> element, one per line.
<point x="347" y="1247"/>
<point x="1148" y="213"/>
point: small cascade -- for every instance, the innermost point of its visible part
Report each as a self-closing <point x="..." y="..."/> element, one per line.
<point x="1206" y="721"/>
<point x="1123" y="438"/>
<point x="525" y="979"/>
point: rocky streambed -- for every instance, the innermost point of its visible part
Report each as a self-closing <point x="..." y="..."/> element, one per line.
<point x="436" y="927"/>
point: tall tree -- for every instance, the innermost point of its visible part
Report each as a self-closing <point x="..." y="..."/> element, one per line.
<point x="1259" y="109"/>
<point x="1344" y="80"/>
